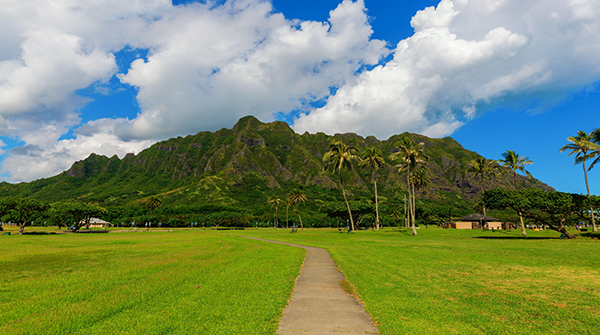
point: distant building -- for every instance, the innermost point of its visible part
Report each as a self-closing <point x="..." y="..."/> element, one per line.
<point x="476" y="221"/>
<point x="97" y="223"/>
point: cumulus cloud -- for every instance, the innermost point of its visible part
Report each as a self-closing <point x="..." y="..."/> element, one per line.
<point x="31" y="162"/>
<point x="207" y="66"/>
<point x="464" y="56"/>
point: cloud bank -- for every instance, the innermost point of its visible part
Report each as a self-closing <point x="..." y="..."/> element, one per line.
<point x="208" y="64"/>
<point x="464" y="56"/>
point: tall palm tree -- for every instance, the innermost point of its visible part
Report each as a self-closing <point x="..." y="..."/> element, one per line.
<point x="483" y="168"/>
<point x="274" y="202"/>
<point x="295" y="198"/>
<point x="412" y="155"/>
<point x="514" y="162"/>
<point x="373" y="158"/>
<point x="340" y="157"/>
<point x="581" y="146"/>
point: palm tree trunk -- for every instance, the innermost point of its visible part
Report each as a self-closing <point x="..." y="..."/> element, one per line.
<point x="587" y="185"/>
<point x="405" y="213"/>
<point x="347" y="204"/>
<point x="414" y="229"/>
<point x="482" y="191"/>
<point x="376" y="203"/>
<point x="275" y="219"/>
<point x="523" y="232"/>
<point x="299" y="218"/>
<point x="287" y="216"/>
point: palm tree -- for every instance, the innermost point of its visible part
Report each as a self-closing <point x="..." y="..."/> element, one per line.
<point x="153" y="203"/>
<point x="594" y="147"/>
<point x="514" y="162"/>
<point x="581" y="146"/>
<point x="483" y="167"/>
<point x="295" y="198"/>
<point x="373" y="158"/>
<point x="412" y="156"/>
<point x="340" y="157"/>
<point x="421" y="178"/>
<point x="274" y="202"/>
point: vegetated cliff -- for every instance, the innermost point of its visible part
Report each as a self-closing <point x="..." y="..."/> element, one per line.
<point x="252" y="161"/>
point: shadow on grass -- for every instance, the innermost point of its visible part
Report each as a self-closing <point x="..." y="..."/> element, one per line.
<point x="39" y="233"/>
<point x="516" y="238"/>
<point x="405" y="232"/>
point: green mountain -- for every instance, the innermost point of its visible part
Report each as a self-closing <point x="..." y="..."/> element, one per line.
<point x="245" y="165"/>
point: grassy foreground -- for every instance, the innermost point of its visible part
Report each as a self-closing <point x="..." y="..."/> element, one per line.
<point x="466" y="282"/>
<point x="181" y="282"/>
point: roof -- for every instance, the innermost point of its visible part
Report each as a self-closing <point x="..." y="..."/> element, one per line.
<point x="96" y="221"/>
<point x="478" y="217"/>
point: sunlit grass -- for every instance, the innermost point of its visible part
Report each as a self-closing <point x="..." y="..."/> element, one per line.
<point x="467" y="282"/>
<point x="181" y="282"/>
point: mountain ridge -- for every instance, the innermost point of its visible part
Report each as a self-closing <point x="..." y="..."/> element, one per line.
<point x="252" y="161"/>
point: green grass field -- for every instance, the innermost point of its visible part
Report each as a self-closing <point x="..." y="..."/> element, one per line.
<point x="177" y="282"/>
<point x="467" y="282"/>
<point x="202" y="281"/>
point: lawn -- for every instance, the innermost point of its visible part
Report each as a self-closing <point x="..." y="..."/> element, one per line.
<point x="193" y="281"/>
<point x="466" y="282"/>
<point x="180" y="282"/>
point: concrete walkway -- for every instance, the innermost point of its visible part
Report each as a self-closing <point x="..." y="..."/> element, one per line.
<point x="319" y="305"/>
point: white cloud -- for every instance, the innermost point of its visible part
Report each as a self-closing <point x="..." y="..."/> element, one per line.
<point x="210" y="67"/>
<point x="207" y="66"/>
<point x="34" y="161"/>
<point x="466" y="54"/>
<point x="210" y="64"/>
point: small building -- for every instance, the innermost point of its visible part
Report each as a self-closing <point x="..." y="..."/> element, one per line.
<point x="97" y="223"/>
<point x="476" y="221"/>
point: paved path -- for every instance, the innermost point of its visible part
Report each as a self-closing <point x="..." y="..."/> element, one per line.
<point x="318" y="304"/>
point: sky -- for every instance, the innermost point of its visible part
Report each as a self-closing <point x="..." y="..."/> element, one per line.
<point x="112" y="77"/>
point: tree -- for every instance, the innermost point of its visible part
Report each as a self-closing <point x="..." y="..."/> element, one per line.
<point x="514" y="162"/>
<point x="435" y="214"/>
<point x="295" y="198"/>
<point x="274" y="202"/>
<point x="421" y="178"/>
<point x="78" y="213"/>
<point x="153" y="203"/>
<point x="340" y="157"/>
<point x="373" y="158"/>
<point x="338" y="210"/>
<point x="581" y="146"/>
<point x="412" y="155"/>
<point x="483" y="168"/>
<point x="546" y="208"/>
<point x="21" y="210"/>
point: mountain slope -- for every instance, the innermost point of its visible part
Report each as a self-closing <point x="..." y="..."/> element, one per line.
<point x="250" y="162"/>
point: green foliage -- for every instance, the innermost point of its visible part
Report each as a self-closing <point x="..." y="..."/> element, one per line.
<point x="434" y="214"/>
<point x="21" y="210"/>
<point x="75" y="214"/>
<point x="550" y="208"/>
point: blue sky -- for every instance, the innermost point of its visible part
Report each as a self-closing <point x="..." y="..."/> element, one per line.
<point x="495" y="77"/>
